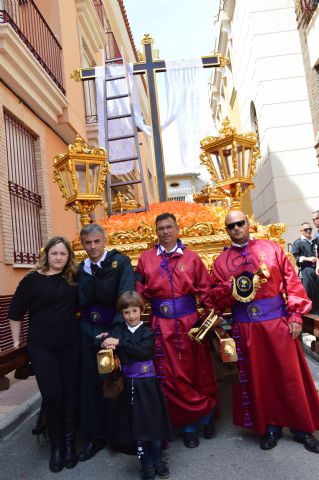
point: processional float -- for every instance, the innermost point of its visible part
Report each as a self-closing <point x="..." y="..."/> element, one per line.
<point x="231" y="161"/>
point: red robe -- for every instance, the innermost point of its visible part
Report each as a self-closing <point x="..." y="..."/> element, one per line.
<point x="184" y="367"/>
<point x="276" y="384"/>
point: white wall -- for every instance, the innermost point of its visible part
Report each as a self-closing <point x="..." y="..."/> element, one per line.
<point x="268" y="70"/>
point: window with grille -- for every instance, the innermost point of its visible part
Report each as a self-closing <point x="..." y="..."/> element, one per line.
<point x="24" y="199"/>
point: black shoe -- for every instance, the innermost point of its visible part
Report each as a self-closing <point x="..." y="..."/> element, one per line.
<point x="309" y="441"/>
<point x="70" y="458"/>
<point x="56" y="458"/>
<point x="89" y="449"/>
<point x="191" y="439"/>
<point x="161" y="469"/>
<point x="148" y="473"/>
<point x="269" y="440"/>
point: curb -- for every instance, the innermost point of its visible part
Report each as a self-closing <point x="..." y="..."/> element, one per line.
<point x="19" y="415"/>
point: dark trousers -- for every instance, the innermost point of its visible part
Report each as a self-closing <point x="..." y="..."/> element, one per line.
<point x="96" y="411"/>
<point x="57" y="374"/>
<point x="152" y="454"/>
<point x="311" y="283"/>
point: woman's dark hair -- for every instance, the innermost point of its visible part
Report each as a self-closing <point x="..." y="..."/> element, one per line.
<point x="130" y="299"/>
<point x="71" y="267"/>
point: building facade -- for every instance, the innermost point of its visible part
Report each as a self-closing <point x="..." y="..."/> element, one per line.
<point x="264" y="90"/>
<point x="41" y="110"/>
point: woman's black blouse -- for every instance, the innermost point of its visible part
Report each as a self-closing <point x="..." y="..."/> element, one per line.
<point x="51" y="304"/>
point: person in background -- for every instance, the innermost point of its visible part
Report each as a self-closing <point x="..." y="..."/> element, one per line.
<point x="49" y="294"/>
<point x="170" y="276"/>
<point x="303" y="249"/>
<point x="315" y="219"/>
<point x="103" y="277"/>
<point x="259" y="283"/>
<point x="142" y="415"/>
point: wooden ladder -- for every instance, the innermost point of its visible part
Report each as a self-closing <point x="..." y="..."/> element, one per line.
<point x="123" y="185"/>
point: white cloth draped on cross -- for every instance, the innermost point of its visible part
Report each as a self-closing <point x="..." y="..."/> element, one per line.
<point x="184" y="112"/>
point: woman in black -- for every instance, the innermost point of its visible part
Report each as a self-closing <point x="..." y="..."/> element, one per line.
<point x="49" y="293"/>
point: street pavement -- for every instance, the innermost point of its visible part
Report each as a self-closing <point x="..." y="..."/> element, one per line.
<point x="234" y="454"/>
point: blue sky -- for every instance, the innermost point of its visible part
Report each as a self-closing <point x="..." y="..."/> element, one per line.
<point x="182" y="29"/>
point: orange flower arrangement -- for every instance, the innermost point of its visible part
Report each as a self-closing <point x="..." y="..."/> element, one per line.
<point x="186" y="214"/>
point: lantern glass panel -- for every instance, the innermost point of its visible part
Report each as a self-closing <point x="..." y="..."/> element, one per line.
<point x="217" y="164"/>
<point x="228" y="170"/>
<point x="80" y="168"/>
<point x="66" y="177"/>
<point x="94" y="172"/>
<point x="241" y="160"/>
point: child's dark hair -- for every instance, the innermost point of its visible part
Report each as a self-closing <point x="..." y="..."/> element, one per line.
<point x="130" y="299"/>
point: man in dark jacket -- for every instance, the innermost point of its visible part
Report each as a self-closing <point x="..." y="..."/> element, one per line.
<point x="103" y="277"/>
<point x="303" y="250"/>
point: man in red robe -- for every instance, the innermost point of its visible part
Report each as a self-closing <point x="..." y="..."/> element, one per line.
<point x="276" y="388"/>
<point x="170" y="276"/>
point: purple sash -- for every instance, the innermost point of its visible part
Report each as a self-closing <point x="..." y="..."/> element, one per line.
<point x="139" y="369"/>
<point x="260" y="310"/>
<point x="173" y="307"/>
<point x="98" y="315"/>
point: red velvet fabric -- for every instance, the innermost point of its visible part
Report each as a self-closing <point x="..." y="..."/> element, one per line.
<point x="189" y="382"/>
<point x="277" y="387"/>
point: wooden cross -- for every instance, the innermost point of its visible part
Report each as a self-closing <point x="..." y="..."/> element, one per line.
<point x="149" y="67"/>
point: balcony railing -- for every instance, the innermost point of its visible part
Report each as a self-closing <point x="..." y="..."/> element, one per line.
<point x="304" y="10"/>
<point x="27" y="21"/>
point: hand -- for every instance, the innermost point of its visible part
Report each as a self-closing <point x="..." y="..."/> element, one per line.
<point x="110" y="343"/>
<point x="16" y="344"/>
<point x="313" y="259"/>
<point x="102" y="335"/>
<point x="294" y="329"/>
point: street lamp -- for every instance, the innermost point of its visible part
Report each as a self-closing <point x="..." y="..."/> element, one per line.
<point x="231" y="160"/>
<point x="80" y="174"/>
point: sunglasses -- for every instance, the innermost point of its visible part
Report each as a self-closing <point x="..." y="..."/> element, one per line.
<point x="231" y="226"/>
<point x="307" y="229"/>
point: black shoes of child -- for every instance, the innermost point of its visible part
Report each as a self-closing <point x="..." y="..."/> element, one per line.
<point x="160" y="469"/>
<point x="148" y="474"/>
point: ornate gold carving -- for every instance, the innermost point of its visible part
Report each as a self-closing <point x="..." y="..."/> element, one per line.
<point x="76" y="75"/>
<point x="147" y="39"/>
<point x="141" y="56"/>
<point x="122" y="203"/>
<point x="222" y="59"/>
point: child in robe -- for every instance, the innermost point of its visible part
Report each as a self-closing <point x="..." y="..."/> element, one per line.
<point x="142" y="414"/>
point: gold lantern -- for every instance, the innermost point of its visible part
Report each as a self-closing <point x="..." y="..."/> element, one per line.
<point x="80" y="174"/>
<point x="231" y="160"/>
